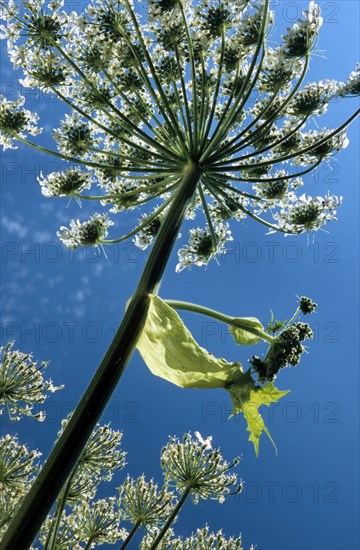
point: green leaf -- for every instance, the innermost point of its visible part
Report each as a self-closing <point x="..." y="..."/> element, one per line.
<point x="247" y="398"/>
<point x="243" y="330"/>
<point x="170" y="351"/>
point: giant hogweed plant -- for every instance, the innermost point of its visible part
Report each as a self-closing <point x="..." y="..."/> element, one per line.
<point x="186" y="106"/>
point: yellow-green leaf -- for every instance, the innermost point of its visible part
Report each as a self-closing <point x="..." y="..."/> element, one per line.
<point x="242" y="330"/>
<point x="170" y="351"/>
<point x="247" y="398"/>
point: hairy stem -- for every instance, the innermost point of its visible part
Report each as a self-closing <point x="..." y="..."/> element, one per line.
<point x="39" y="500"/>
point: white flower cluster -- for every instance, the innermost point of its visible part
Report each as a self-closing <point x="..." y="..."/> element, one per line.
<point x="17" y="467"/>
<point x="192" y="465"/>
<point x="88" y="233"/>
<point x="16" y="123"/>
<point x="202" y="539"/>
<point x="97" y="521"/>
<point x="318" y="146"/>
<point x="46" y="72"/>
<point x="307" y="213"/>
<point x="203" y="246"/>
<point x="143" y="502"/>
<point x="61" y="184"/>
<point x="22" y="385"/>
<point x="314" y="99"/>
<point x="123" y="195"/>
<point x="279" y="191"/>
<point x="152" y="224"/>
<point x="301" y="38"/>
<point x="352" y="86"/>
<point x="152" y="89"/>
<point x="75" y="136"/>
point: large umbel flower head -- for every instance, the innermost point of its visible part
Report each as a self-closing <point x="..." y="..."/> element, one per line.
<point x="22" y="386"/>
<point x="193" y="465"/>
<point x="151" y="93"/>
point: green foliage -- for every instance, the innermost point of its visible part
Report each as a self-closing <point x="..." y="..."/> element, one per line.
<point x="170" y="352"/>
<point x="247" y="398"/>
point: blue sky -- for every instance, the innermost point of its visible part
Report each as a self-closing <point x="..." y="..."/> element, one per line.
<point x="64" y="306"/>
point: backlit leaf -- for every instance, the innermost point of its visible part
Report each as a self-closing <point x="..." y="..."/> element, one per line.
<point x="170" y="351"/>
<point x="247" y="398"/>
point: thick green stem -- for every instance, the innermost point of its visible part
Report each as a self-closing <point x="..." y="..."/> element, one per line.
<point x="67" y="450"/>
<point x="130" y="535"/>
<point x="171" y="518"/>
<point x="89" y="543"/>
<point x="233" y="321"/>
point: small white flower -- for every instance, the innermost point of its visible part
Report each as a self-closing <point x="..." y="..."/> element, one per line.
<point x="147" y="234"/>
<point x="16" y="122"/>
<point x="22" y="385"/>
<point x="206" y="442"/>
<point x="140" y="109"/>
<point x="191" y="464"/>
<point x="307" y="213"/>
<point x="88" y="233"/>
<point x="201" y="247"/>
<point x="63" y="184"/>
<point x="313" y="14"/>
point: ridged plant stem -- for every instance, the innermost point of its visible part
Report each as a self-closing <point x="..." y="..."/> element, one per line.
<point x="70" y="445"/>
<point x="171" y="518"/>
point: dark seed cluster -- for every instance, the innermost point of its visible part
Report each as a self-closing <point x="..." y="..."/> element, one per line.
<point x="306" y="305"/>
<point x="286" y="350"/>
